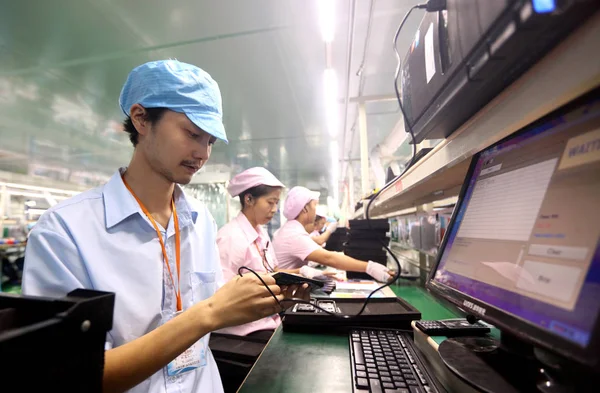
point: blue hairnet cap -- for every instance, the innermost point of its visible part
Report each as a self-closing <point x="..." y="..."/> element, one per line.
<point x="180" y="87"/>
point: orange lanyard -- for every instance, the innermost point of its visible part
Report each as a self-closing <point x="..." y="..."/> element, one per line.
<point x="162" y="243"/>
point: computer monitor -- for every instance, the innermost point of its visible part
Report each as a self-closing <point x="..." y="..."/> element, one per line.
<point x="522" y="250"/>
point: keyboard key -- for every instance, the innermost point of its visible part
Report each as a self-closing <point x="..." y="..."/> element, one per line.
<point x="394" y="368"/>
<point x="360" y="367"/>
<point x="358" y="355"/>
<point x="361" y="374"/>
<point x="388" y="385"/>
<point x="400" y="384"/>
<point x="373" y="375"/>
<point x="372" y="370"/>
<point x="384" y="374"/>
<point x="386" y="379"/>
<point x="416" y="389"/>
<point x="396" y="390"/>
<point x="362" y="383"/>
<point x="370" y="364"/>
<point x="406" y="370"/>
<point x="395" y="373"/>
<point x="412" y="382"/>
<point x="421" y="376"/>
<point x="375" y="386"/>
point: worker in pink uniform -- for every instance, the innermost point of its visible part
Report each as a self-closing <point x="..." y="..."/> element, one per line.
<point x="244" y="241"/>
<point x="294" y="246"/>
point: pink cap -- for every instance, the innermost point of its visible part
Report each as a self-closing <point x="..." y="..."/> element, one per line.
<point x="297" y="198"/>
<point x="251" y="178"/>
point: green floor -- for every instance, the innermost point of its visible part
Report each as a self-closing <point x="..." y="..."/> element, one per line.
<point x="11" y="289"/>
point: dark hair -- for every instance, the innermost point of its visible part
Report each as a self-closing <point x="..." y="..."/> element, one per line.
<point x="257" y="192"/>
<point x="153" y="115"/>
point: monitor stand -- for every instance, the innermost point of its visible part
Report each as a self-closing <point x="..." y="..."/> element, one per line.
<point x="505" y="366"/>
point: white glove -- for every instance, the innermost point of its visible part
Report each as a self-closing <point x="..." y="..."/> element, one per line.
<point x="309" y="272"/>
<point x="332" y="227"/>
<point x="378" y="271"/>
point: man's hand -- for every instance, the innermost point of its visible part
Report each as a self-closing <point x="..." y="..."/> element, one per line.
<point x="242" y="300"/>
<point x="297" y="292"/>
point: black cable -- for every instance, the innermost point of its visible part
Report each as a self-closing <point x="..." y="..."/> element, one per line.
<point x="396" y="75"/>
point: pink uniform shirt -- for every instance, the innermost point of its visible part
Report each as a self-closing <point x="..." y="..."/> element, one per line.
<point x="242" y="245"/>
<point x="293" y="245"/>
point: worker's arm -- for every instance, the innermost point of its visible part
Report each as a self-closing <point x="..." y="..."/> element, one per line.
<point x="322" y="238"/>
<point x="241" y="300"/>
<point x="343" y="262"/>
<point x="291" y="271"/>
<point x="337" y="260"/>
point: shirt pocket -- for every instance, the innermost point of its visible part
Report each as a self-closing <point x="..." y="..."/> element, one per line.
<point x="203" y="285"/>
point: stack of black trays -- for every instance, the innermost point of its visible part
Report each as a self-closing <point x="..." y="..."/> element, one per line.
<point x="337" y="239"/>
<point x="365" y="242"/>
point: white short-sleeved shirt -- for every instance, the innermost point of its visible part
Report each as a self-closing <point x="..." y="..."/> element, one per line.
<point x="293" y="245"/>
<point x="242" y="245"/>
<point x="101" y="240"/>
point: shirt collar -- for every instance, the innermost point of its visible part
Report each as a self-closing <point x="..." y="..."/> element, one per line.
<point x="251" y="233"/>
<point x="119" y="204"/>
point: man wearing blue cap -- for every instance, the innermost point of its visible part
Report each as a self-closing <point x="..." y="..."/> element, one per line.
<point x="141" y="237"/>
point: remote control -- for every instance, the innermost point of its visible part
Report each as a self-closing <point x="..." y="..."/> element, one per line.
<point x="452" y="328"/>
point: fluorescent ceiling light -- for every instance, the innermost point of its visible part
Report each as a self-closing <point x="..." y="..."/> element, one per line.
<point x="331" y="105"/>
<point x="327" y="19"/>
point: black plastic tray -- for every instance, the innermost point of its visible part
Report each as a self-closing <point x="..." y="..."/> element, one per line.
<point x="393" y="313"/>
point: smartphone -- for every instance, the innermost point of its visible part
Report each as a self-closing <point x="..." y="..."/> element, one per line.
<point x="282" y="279"/>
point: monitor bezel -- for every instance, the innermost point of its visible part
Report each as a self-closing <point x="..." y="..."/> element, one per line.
<point x="524" y="330"/>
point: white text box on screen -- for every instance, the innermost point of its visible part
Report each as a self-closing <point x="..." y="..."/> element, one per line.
<point x="505" y="206"/>
<point x="550" y="280"/>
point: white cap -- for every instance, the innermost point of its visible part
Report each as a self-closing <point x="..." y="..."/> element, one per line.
<point x="297" y="198"/>
<point x="251" y="178"/>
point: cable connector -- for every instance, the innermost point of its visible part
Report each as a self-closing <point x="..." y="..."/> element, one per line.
<point x="433" y="5"/>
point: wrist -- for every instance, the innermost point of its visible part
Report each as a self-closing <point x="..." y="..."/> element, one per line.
<point x="205" y="316"/>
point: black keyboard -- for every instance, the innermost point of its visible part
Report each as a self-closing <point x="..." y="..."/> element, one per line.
<point x="384" y="362"/>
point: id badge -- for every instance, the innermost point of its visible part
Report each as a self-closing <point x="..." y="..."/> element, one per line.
<point x="192" y="358"/>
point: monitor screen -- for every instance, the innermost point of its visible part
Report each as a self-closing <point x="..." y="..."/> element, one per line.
<point x="525" y="238"/>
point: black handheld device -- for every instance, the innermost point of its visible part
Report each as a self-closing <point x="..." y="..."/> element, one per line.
<point x="282" y="279"/>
